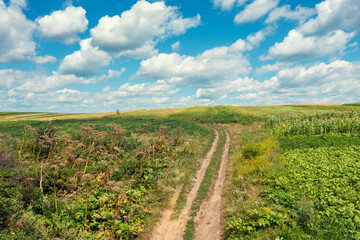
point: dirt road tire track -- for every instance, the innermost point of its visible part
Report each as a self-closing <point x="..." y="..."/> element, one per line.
<point x="168" y="229"/>
<point x="207" y="220"/>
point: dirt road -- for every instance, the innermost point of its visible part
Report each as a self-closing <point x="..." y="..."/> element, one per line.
<point x="207" y="220"/>
<point x="168" y="229"/>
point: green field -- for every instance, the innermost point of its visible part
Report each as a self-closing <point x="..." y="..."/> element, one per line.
<point x="293" y="172"/>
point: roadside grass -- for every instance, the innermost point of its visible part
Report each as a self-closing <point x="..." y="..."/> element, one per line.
<point x="256" y="153"/>
<point x="205" y="186"/>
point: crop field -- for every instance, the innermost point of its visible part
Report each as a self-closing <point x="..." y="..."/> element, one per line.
<point x="297" y="176"/>
<point x="293" y="173"/>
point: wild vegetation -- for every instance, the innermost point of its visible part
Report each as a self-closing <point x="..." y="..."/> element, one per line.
<point x="98" y="181"/>
<point x="293" y="174"/>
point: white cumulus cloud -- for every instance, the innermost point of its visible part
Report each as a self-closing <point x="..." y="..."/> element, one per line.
<point x="86" y="61"/>
<point x="63" y="26"/>
<point x="143" y="25"/>
<point x="208" y="68"/>
<point x="226" y="5"/>
<point x="16" y="32"/>
<point x="10" y="76"/>
<point x="157" y="88"/>
<point x="210" y="94"/>
<point x="39" y="82"/>
<point x="255" y="10"/>
<point x="300" y="14"/>
<point x="333" y="15"/>
<point x="322" y="76"/>
<point x="296" y="47"/>
<point x="241" y="87"/>
<point x="256" y="38"/>
<point x="175" y="46"/>
<point x="43" y="59"/>
<point x="146" y="50"/>
<point x="65" y="96"/>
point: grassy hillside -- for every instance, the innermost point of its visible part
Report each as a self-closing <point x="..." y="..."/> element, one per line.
<point x="10" y="122"/>
<point x="200" y="114"/>
<point x="217" y="114"/>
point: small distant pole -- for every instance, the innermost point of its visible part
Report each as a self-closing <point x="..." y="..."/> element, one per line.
<point x="117" y="111"/>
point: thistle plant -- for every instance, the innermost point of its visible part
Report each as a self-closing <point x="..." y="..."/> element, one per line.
<point x="86" y="180"/>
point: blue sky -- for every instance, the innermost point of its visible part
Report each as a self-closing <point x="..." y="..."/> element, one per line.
<point x="91" y="56"/>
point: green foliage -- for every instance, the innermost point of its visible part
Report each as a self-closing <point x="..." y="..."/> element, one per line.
<point x="328" y="178"/>
<point x="315" y="141"/>
<point x="255" y="156"/>
<point x="10" y="202"/>
<point x="352" y="104"/>
<point x="46" y="129"/>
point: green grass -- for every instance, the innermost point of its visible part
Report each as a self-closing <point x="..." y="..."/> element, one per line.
<point x="190" y="230"/>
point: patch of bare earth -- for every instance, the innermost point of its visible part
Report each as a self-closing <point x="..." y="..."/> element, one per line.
<point x="207" y="220"/>
<point x="168" y="229"/>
